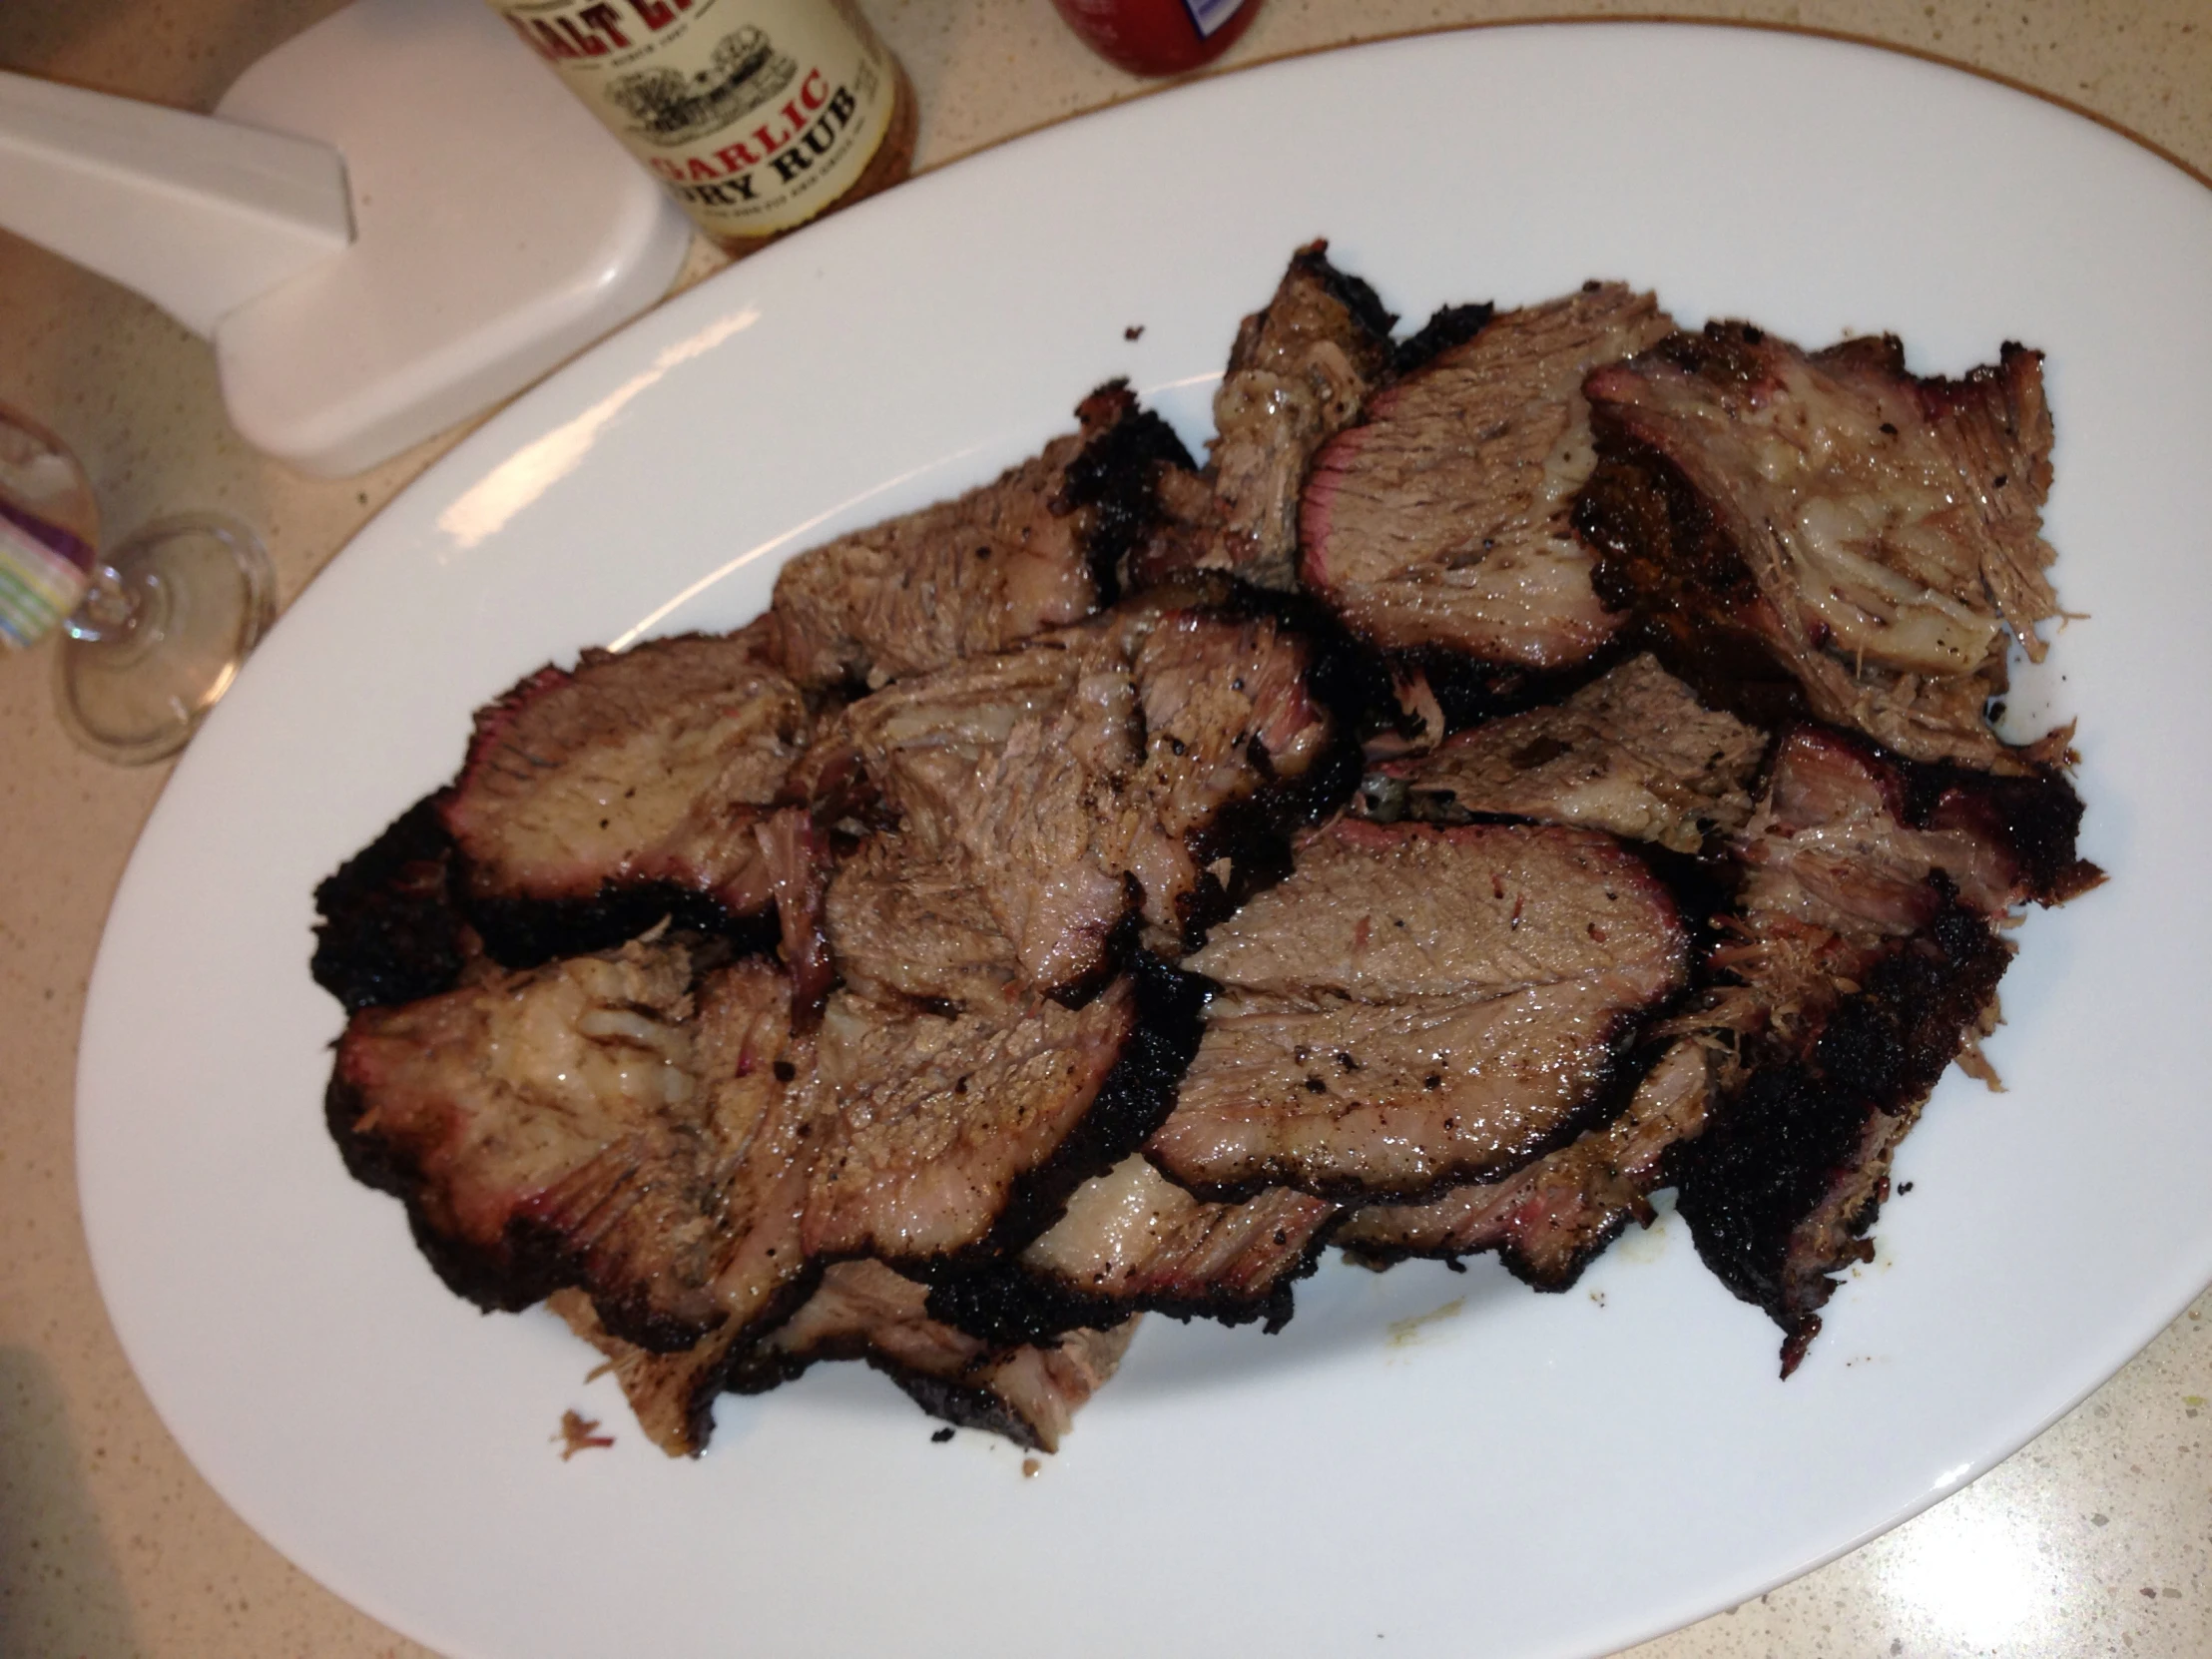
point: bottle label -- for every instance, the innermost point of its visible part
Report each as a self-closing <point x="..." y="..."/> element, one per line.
<point x="1208" y="15"/>
<point x="757" y="114"/>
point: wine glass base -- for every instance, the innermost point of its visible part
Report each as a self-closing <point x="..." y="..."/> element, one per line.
<point x="202" y="594"/>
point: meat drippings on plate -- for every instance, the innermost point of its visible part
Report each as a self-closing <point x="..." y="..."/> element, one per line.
<point x="1099" y="979"/>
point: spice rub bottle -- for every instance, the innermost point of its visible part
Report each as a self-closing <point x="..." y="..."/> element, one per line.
<point x="758" y="115"/>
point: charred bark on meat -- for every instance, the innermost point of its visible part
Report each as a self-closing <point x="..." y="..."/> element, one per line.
<point x="622" y="1123"/>
<point x="1117" y="476"/>
<point x="529" y="932"/>
<point x="1440" y="521"/>
<point x="1781" y="1189"/>
<point x="387" y="931"/>
<point x="521" y="1272"/>
<point x="1041" y="547"/>
<point x="1253" y="832"/>
<point x="1664" y="558"/>
<point x="1448" y="326"/>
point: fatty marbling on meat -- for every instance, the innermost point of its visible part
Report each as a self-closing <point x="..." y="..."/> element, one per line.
<point x="1028" y="1392"/>
<point x="616" y="1123"/>
<point x="1131" y="1242"/>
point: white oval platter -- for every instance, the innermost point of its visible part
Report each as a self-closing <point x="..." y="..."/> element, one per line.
<point x="1515" y="1476"/>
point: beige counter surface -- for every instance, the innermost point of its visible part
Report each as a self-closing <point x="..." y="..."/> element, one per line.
<point x="2094" y="1539"/>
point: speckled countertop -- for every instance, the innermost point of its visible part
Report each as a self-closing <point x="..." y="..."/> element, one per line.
<point x="2094" y="1539"/>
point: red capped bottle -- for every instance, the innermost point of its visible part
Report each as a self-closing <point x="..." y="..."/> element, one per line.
<point x="1158" y="37"/>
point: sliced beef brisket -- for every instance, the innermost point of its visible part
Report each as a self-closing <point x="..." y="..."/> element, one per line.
<point x="1842" y="857"/>
<point x="1876" y="534"/>
<point x="1132" y="1240"/>
<point x="1633" y="752"/>
<point x="671" y="1394"/>
<point x="1865" y="959"/>
<point x="601" y="1122"/>
<point x="936" y="1118"/>
<point x="1035" y="548"/>
<point x="957" y="1138"/>
<point x="1442" y="520"/>
<point x="861" y="1311"/>
<point x="1239" y="743"/>
<point x="973" y="1121"/>
<point x="1416" y="1008"/>
<point x="1008" y="768"/>
<point x="1549" y="1221"/>
<point x="1300" y="370"/>
<point x="595" y="802"/>
<point x="1783" y="1185"/>
<point x="1078" y="782"/>
<point x="865" y="1311"/>
<point x="910" y="930"/>
<point x="796" y="852"/>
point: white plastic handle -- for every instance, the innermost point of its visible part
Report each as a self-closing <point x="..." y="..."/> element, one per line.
<point x="197" y="214"/>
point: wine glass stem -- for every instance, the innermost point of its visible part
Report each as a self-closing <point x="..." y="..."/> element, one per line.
<point x="109" y="611"/>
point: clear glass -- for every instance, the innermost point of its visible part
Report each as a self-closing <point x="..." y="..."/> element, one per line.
<point x="152" y="632"/>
